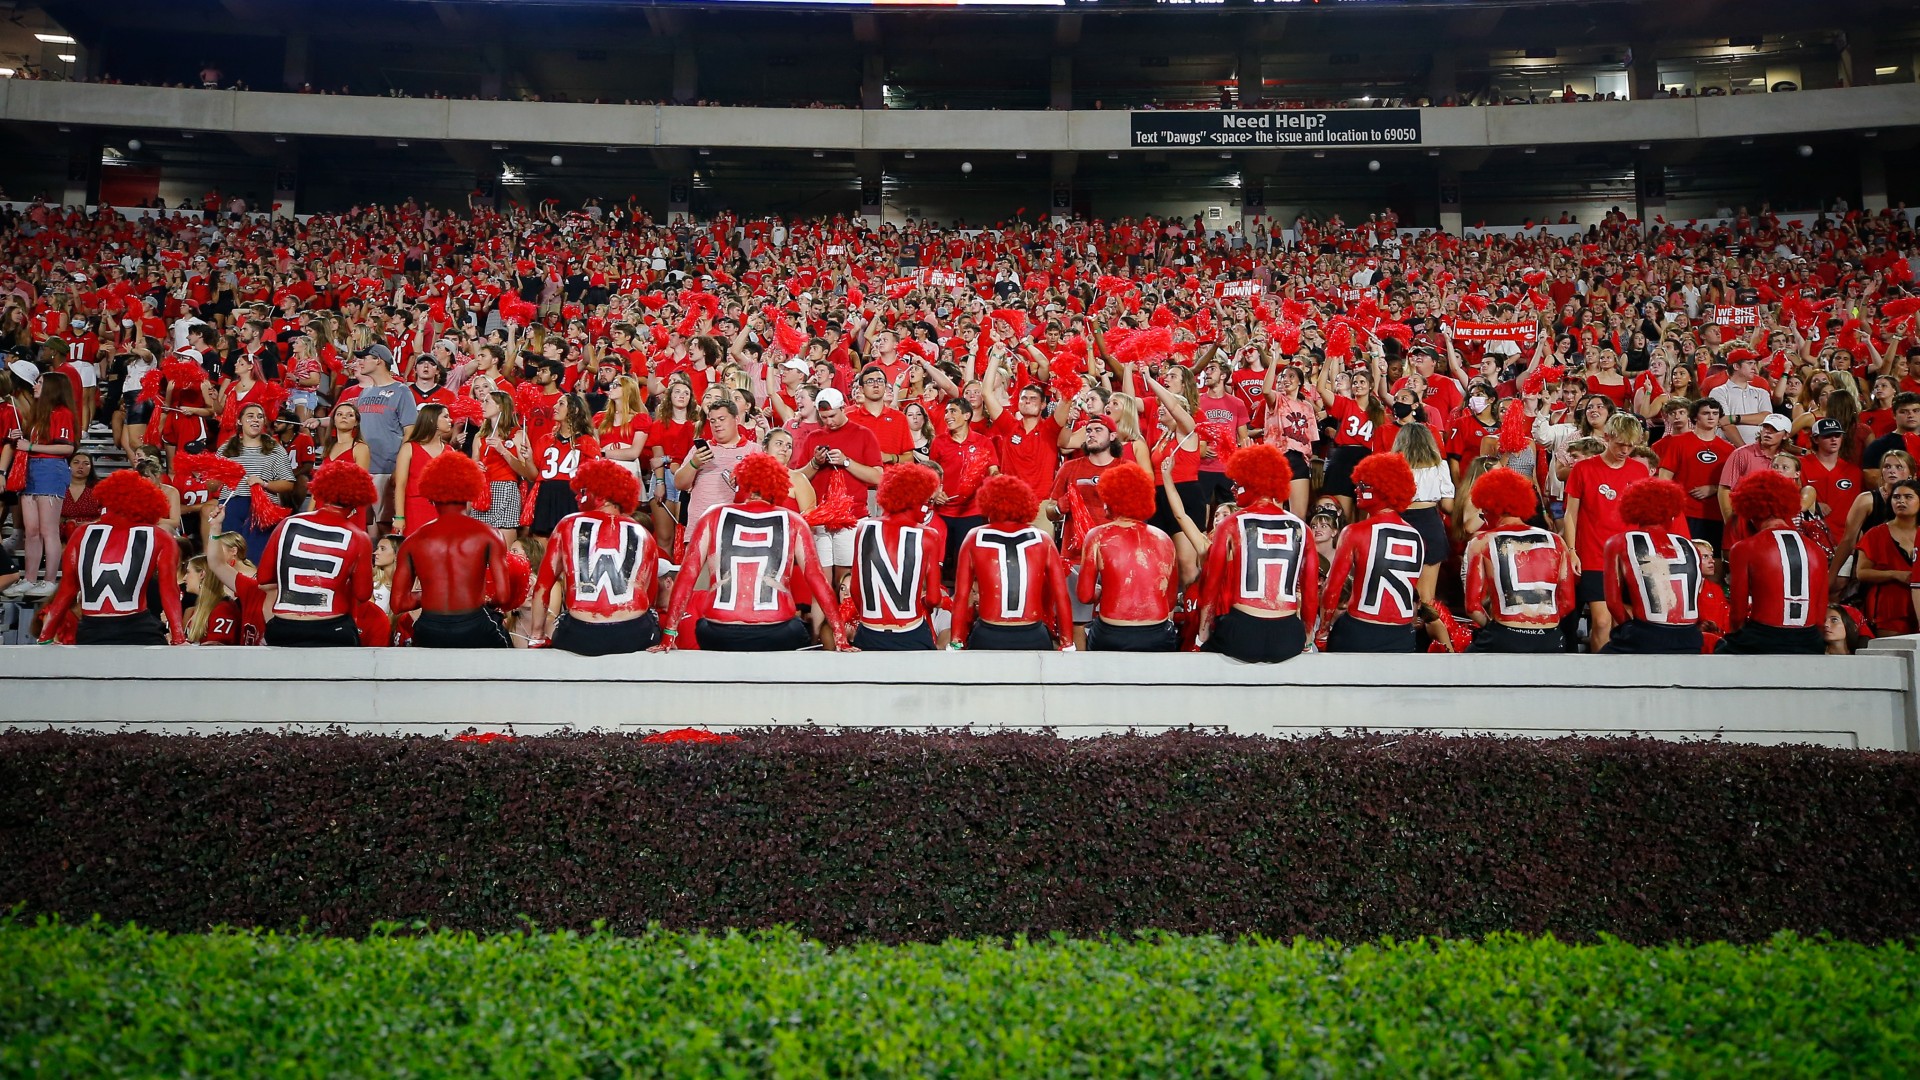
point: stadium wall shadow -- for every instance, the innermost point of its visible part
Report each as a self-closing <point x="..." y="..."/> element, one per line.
<point x="1863" y="702"/>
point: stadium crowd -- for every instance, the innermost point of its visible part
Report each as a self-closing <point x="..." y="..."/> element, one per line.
<point x="602" y="433"/>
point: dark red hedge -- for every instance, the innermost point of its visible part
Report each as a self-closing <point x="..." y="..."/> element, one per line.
<point x="886" y="836"/>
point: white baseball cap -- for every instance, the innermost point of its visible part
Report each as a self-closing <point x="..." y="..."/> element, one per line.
<point x="829" y="399"/>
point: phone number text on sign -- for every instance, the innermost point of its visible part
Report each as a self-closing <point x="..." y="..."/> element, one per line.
<point x="1275" y="129"/>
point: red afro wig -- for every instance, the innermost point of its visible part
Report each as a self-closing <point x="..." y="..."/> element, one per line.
<point x="1766" y="495"/>
<point x="1007" y="500"/>
<point x="1261" y="470"/>
<point x="907" y="487"/>
<point x="602" y="480"/>
<point x="1503" y="493"/>
<point x="131" y="497"/>
<point x="342" y="483"/>
<point x="1382" y="483"/>
<point x="762" y="476"/>
<point x="1127" y="490"/>
<point x="452" y="478"/>
<point x="1653" y="504"/>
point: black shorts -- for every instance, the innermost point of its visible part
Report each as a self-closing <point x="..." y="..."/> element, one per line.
<point x="1215" y="488"/>
<point x="957" y="530"/>
<point x="1637" y="638"/>
<point x="1592" y="588"/>
<point x="339" y="632"/>
<point x="552" y="500"/>
<point x="140" y="412"/>
<point x="1339" y="476"/>
<point x="469" y="630"/>
<point x="1496" y="638"/>
<point x="1302" y="469"/>
<point x="1103" y="636"/>
<point x="1193" y="499"/>
<point x="789" y="636"/>
<point x="871" y="639"/>
<point x="1431" y="524"/>
<point x="992" y="637"/>
<point x="606" y="638"/>
<point x="1253" y="640"/>
<point x="1712" y="530"/>
<point x="1758" y="639"/>
<point x="1354" y="635"/>
<point x="143" y="628"/>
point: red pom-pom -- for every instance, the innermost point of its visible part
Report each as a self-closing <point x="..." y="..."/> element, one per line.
<point x="1127" y="490"/>
<point x="789" y="338"/>
<point x="835" y="512"/>
<point x="150" y="387"/>
<point x="1144" y="346"/>
<point x="451" y="478"/>
<point x="605" y="480"/>
<point x="1286" y="334"/>
<point x="1383" y="483"/>
<point x="1007" y="500"/>
<point x="1765" y="495"/>
<point x="181" y="374"/>
<point x="1653" y="504"/>
<point x="519" y="582"/>
<point x="1016" y="321"/>
<point x="1516" y="429"/>
<point x="527" y="398"/>
<point x="1261" y="471"/>
<point x="762" y="476"/>
<point x="210" y="469"/>
<point x="1504" y="493"/>
<point x="266" y="510"/>
<point x="1340" y="340"/>
<point x="1222" y="436"/>
<point x="342" y="483"/>
<point x="131" y="497"/>
<point x="1399" y="332"/>
<point x="1459" y="631"/>
<point x="907" y="487"/>
<point x="1534" y="278"/>
<point x="466" y="410"/>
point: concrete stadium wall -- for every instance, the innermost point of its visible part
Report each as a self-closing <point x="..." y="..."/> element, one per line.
<point x="256" y="112"/>
<point x="1861" y="702"/>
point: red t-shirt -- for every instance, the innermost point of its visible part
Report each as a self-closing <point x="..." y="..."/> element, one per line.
<point x="1695" y="462"/>
<point x="60" y="426"/>
<point x="1599" y="487"/>
<point x="1033" y="456"/>
<point x="889" y="428"/>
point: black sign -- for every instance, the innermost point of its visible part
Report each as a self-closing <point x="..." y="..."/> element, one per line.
<point x="1276" y="129"/>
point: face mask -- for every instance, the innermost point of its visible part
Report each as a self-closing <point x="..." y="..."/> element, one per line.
<point x="1477" y="402"/>
<point x="1401" y="411"/>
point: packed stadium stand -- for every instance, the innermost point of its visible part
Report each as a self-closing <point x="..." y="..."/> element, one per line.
<point x="1247" y="328"/>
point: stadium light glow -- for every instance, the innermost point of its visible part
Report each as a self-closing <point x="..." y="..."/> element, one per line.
<point x="56" y="39"/>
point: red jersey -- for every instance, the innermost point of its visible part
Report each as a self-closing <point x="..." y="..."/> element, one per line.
<point x="896" y="571"/>
<point x="1355" y="428"/>
<point x="605" y="565"/>
<point x="1599" y="487"/>
<point x="1033" y="456"/>
<point x="253" y="609"/>
<point x="758" y="555"/>
<point x="1248" y="384"/>
<point x="1836" y="485"/>
<point x="320" y="563"/>
<point x="1653" y="577"/>
<point x="963" y="468"/>
<point x="223" y="624"/>
<point x="1519" y="576"/>
<point x="1263" y="560"/>
<point x="111" y="569"/>
<point x="1019" y="577"/>
<point x="1777" y="579"/>
<point x="1695" y="462"/>
<point x="1383" y="554"/>
<point x="59" y="429"/>
<point x="560" y="459"/>
<point x="1130" y="564"/>
<point x="1076" y="491"/>
<point x="889" y="428"/>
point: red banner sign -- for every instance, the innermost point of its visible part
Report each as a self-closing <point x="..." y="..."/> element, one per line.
<point x="1233" y="290"/>
<point x="1476" y="331"/>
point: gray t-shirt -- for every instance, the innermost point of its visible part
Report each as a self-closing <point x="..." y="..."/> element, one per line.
<point x="386" y="412"/>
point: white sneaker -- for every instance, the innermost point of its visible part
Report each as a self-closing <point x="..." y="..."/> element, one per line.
<point x="15" y="591"/>
<point x="40" y="590"/>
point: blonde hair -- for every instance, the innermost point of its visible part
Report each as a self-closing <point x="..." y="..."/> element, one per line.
<point x="1125" y="414"/>
<point x="211" y="593"/>
<point x="1624" y="427"/>
<point x="1415" y="443"/>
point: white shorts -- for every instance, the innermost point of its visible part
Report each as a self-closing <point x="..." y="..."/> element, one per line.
<point x="833" y="548"/>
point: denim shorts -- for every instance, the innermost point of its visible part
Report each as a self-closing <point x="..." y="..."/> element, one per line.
<point x="48" y="476"/>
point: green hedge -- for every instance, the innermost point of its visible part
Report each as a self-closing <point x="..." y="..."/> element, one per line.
<point x="78" y="1001"/>
<point x="913" y="837"/>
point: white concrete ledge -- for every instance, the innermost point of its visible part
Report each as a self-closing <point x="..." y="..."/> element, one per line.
<point x="256" y="112"/>
<point x="1862" y="702"/>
